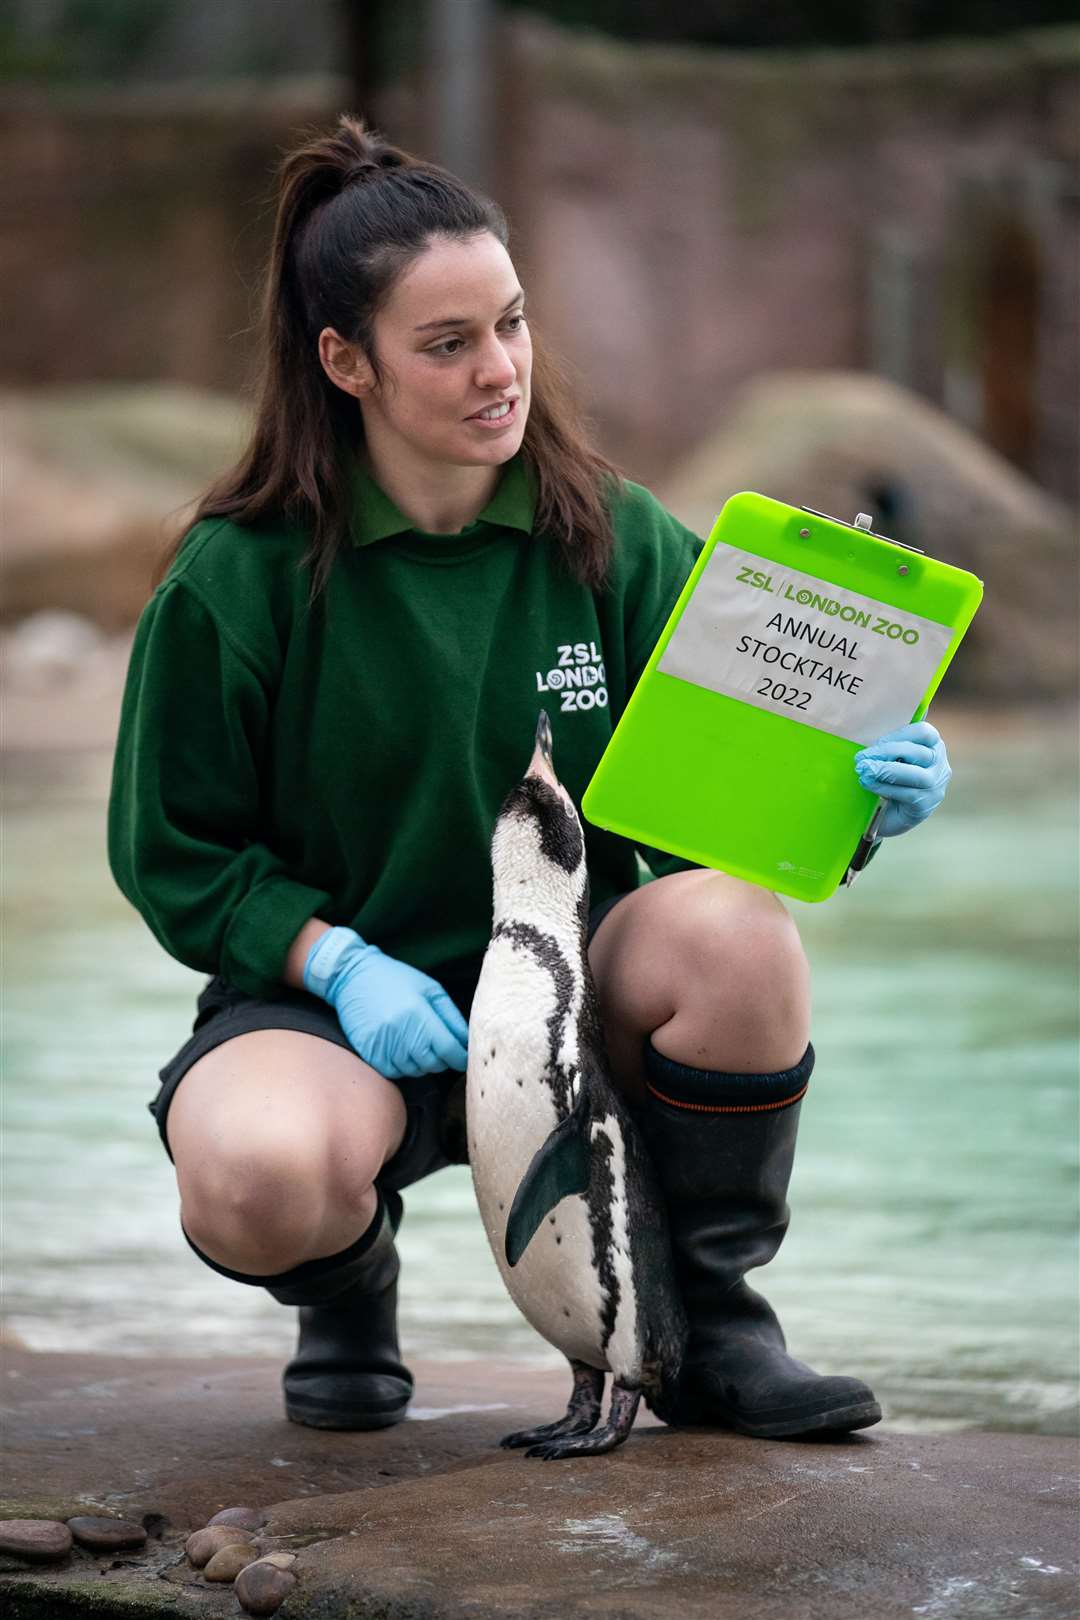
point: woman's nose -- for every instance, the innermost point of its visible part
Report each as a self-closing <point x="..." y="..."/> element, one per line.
<point x="495" y="368"/>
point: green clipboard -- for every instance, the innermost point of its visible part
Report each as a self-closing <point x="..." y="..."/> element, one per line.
<point x="797" y="639"/>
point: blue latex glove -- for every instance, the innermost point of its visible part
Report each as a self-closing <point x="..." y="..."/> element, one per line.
<point x="910" y="769"/>
<point x="399" y="1020"/>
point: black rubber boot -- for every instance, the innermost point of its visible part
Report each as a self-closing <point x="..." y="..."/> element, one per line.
<point x="723" y="1146"/>
<point x="347" y="1372"/>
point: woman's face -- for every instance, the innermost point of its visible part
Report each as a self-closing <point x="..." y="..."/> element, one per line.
<point x="451" y="341"/>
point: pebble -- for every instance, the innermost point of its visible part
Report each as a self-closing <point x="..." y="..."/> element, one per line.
<point x="227" y="1563"/>
<point x="245" y="1518"/>
<point x="39" y="1541"/>
<point x="202" y="1546"/>
<point x="262" y="1588"/>
<point x="280" y="1560"/>
<point x="101" y="1534"/>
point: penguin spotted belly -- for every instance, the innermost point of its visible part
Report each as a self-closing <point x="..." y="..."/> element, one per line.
<point x="556" y="1283"/>
<point x="563" y="1181"/>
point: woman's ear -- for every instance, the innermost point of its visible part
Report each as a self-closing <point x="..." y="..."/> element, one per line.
<point x="345" y="364"/>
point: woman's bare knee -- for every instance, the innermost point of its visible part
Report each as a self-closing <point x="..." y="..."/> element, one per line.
<point x="711" y="968"/>
<point x="277" y="1139"/>
<point x="744" y="1004"/>
<point x="260" y="1210"/>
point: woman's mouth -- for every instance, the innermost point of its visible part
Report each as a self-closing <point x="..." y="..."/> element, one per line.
<point x="496" y="416"/>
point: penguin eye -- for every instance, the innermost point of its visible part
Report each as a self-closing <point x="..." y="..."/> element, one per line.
<point x="561" y="840"/>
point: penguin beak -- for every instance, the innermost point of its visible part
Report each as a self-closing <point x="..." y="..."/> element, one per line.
<point x="541" y="763"/>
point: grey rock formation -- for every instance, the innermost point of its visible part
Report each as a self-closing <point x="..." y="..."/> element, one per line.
<point x="845" y="442"/>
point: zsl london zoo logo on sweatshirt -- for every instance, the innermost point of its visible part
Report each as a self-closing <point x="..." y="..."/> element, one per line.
<point x="577" y="676"/>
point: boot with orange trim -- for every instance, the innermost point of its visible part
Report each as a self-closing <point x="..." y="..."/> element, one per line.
<point x="723" y="1145"/>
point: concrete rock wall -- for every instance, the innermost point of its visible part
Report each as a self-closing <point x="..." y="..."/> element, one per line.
<point x="684" y="218"/>
<point x="693" y="217"/>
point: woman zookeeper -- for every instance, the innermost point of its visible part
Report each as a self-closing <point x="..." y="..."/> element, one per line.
<point x="331" y="691"/>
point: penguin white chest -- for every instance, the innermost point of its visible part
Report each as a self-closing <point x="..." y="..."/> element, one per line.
<point x="574" y="1280"/>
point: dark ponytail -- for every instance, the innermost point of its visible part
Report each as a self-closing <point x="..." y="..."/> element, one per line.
<point x="353" y="212"/>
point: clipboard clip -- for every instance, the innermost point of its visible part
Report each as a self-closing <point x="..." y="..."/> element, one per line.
<point x="864" y="522"/>
<point x="867" y="847"/>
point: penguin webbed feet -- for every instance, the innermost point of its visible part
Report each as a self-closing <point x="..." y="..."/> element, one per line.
<point x="582" y="1411"/>
<point x="572" y="1435"/>
<point x="621" y="1414"/>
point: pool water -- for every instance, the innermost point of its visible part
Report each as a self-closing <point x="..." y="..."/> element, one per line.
<point x="932" y="1248"/>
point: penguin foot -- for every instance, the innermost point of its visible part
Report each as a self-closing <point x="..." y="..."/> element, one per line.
<point x="582" y="1410"/>
<point x="548" y="1431"/>
<point x="623" y="1410"/>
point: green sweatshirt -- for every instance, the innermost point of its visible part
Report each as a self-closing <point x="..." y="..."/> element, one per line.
<point x="277" y="762"/>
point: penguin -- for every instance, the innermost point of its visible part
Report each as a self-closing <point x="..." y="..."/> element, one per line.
<point x="566" y="1190"/>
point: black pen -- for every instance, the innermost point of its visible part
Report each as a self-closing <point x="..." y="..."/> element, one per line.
<point x="867" y="844"/>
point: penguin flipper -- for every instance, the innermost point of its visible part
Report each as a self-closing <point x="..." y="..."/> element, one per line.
<point x="559" y="1167"/>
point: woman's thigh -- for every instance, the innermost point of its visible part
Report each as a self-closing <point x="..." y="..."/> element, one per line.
<point x="277" y="1137"/>
<point x="709" y="967"/>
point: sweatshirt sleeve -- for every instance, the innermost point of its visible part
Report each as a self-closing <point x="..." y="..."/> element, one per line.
<point x="667" y="552"/>
<point x="665" y="562"/>
<point x="185" y="833"/>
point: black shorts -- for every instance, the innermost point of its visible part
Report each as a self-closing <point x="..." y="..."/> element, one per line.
<point x="434" y="1132"/>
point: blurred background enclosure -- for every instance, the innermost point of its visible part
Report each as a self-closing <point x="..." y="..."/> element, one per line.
<point x="825" y="250"/>
<point x="845" y="189"/>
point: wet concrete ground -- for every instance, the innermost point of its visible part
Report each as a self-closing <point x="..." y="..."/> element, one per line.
<point x="430" y="1519"/>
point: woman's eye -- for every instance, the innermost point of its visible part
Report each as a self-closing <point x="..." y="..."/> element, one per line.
<point x="450" y="345"/>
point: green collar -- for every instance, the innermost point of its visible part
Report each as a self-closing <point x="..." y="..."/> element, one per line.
<point x="375" y="517"/>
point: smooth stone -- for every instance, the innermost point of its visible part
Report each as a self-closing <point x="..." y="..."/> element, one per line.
<point x="39" y="1541"/>
<point x="245" y="1518"/>
<point x="102" y="1534"/>
<point x="262" y="1588"/>
<point x="203" y="1544"/>
<point x="227" y="1564"/>
<point x="280" y="1560"/>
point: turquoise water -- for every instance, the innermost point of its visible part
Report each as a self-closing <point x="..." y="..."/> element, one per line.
<point x="932" y="1247"/>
